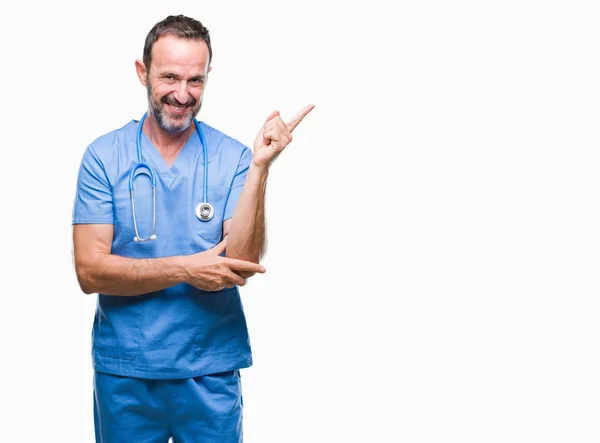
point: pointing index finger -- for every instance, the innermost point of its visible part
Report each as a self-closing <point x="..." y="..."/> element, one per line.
<point x="243" y="265"/>
<point x="298" y="118"/>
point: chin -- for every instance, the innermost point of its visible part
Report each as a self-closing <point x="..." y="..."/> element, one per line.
<point x="175" y="125"/>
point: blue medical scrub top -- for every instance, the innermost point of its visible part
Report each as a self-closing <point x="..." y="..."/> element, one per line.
<point x="180" y="331"/>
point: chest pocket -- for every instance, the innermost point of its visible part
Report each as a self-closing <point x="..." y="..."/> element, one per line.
<point x="211" y="231"/>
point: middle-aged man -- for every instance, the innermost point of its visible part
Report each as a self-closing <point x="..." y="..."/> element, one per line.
<point x="168" y="221"/>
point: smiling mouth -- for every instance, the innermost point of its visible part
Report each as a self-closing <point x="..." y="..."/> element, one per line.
<point x="177" y="109"/>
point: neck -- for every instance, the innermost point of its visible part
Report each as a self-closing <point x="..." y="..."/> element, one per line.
<point x="168" y="144"/>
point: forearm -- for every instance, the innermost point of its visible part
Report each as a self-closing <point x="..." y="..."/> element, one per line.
<point x="247" y="235"/>
<point x="114" y="275"/>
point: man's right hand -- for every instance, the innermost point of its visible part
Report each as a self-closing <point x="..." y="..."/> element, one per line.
<point x="210" y="271"/>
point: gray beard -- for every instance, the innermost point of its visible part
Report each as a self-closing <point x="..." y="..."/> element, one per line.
<point x="160" y="116"/>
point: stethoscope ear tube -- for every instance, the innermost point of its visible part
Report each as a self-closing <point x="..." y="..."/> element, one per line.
<point x="204" y="211"/>
<point x="149" y="172"/>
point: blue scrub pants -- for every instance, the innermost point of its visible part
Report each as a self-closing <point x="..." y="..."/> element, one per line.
<point x="200" y="409"/>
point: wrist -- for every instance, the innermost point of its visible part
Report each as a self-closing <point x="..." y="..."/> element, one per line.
<point x="181" y="267"/>
<point x="259" y="168"/>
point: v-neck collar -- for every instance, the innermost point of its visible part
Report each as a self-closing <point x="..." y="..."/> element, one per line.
<point x="184" y="158"/>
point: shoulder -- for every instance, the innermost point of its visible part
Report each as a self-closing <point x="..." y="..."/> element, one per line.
<point x="107" y="145"/>
<point x="220" y="143"/>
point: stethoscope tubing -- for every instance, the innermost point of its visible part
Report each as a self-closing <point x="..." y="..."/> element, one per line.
<point x="204" y="210"/>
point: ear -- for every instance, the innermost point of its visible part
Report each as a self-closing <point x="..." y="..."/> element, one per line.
<point x="140" y="68"/>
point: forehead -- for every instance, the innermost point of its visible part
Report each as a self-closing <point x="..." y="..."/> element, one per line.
<point x="171" y="52"/>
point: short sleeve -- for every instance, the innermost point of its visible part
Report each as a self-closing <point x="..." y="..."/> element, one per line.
<point x="93" y="198"/>
<point x="238" y="182"/>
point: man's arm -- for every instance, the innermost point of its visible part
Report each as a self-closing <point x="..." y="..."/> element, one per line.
<point x="100" y="271"/>
<point x="246" y="231"/>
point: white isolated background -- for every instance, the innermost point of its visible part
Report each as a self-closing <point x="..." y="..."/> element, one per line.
<point x="432" y="272"/>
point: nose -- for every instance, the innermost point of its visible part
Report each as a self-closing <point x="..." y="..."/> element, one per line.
<point x="181" y="93"/>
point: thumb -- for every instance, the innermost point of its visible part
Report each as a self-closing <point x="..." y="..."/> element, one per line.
<point x="266" y="141"/>
<point x="272" y="115"/>
<point x="219" y="248"/>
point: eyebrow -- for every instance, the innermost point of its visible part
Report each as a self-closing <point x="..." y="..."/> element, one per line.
<point x="172" y="74"/>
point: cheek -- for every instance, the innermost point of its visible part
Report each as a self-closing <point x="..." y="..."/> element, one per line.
<point x="197" y="94"/>
<point x="160" y="91"/>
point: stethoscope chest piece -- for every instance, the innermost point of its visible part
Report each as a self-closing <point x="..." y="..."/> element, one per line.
<point x="204" y="211"/>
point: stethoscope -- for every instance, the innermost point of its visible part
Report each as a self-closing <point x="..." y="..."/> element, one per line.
<point x="204" y="210"/>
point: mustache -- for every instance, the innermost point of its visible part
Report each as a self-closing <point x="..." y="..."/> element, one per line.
<point x="170" y="100"/>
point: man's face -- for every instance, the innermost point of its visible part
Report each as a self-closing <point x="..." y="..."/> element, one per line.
<point x="176" y="80"/>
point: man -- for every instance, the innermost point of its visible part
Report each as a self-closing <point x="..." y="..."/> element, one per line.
<point x="168" y="221"/>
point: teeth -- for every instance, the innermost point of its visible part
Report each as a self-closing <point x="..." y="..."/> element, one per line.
<point x="178" y="108"/>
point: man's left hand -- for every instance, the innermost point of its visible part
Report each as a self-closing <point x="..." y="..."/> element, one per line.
<point x="274" y="136"/>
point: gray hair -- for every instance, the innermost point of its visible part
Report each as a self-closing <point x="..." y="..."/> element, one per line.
<point x="179" y="26"/>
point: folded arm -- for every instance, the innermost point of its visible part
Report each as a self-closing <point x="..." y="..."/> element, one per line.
<point x="98" y="270"/>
